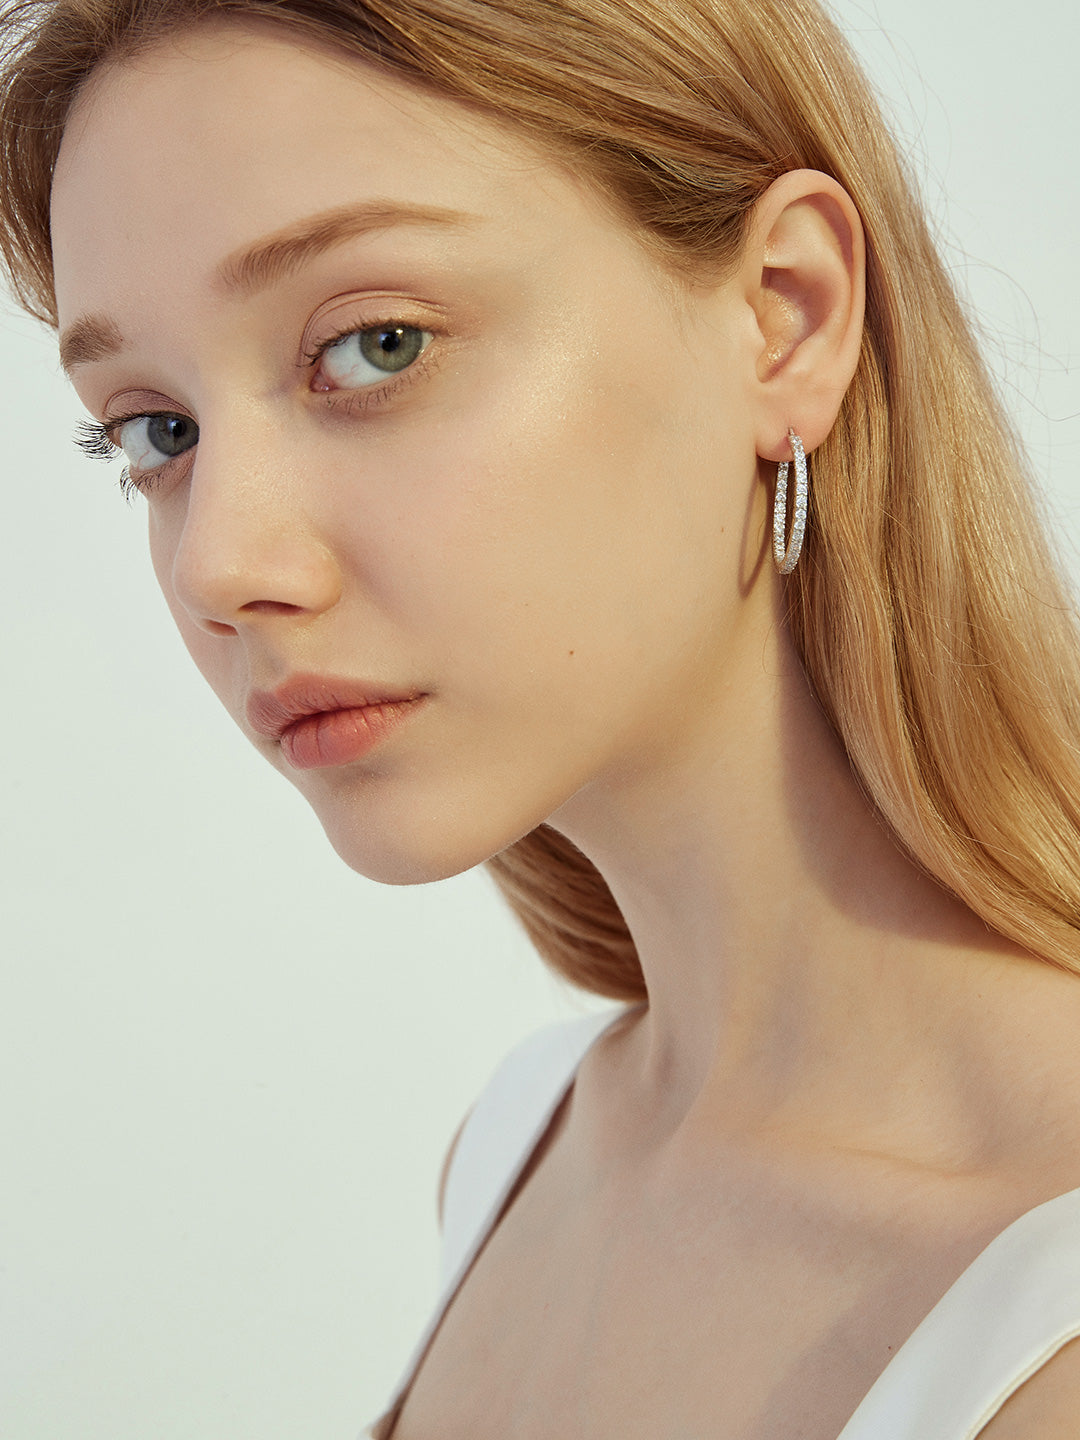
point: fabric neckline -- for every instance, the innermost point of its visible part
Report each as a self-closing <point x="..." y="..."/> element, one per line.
<point x="1027" y="1254"/>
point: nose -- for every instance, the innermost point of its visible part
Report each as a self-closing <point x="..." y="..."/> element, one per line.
<point x="246" y="545"/>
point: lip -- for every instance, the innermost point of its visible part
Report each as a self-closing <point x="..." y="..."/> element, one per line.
<point x="320" y="721"/>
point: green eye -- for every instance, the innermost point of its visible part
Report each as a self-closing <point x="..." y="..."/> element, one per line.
<point x="363" y="357"/>
<point x="391" y="349"/>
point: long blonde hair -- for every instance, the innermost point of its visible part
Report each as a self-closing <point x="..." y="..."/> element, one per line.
<point x="928" y="609"/>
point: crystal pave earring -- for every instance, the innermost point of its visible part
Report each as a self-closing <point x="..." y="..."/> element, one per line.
<point x="786" y="559"/>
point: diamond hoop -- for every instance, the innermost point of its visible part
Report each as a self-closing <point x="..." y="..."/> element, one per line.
<point x="787" y="559"/>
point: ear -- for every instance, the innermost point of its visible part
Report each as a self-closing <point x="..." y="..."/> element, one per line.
<point x="804" y="278"/>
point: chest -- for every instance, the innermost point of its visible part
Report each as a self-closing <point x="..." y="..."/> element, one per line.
<point x="711" y="1314"/>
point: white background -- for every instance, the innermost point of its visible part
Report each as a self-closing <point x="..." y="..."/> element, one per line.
<point x="229" y="1067"/>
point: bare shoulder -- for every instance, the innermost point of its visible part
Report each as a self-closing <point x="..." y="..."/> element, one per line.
<point x="1045" y="1407"/>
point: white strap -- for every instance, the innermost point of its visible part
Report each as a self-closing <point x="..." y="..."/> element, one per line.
<point x="506" y="1123"/>
<point x="1010" y="1312"/>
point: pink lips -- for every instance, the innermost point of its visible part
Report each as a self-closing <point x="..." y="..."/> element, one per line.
<point x="321" y="722"/>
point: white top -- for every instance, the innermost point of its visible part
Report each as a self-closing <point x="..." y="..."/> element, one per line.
<point x="1011" y="1310"/>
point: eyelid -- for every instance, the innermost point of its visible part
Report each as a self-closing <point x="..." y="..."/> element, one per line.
<point x="349" y="314"/>
<point x="364" y="398"/>
<point x="314" y="356"/>
<point x="109" y="428"/>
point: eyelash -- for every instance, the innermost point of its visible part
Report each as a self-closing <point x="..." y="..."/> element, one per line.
<point x="96" y="440"/>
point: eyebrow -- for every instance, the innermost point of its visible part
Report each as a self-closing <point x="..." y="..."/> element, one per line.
<point x="90" y="338"/>
<point x="246" y="271"/>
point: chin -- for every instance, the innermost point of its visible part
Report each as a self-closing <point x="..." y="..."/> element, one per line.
<point x="434" y="817"/>
<point x="416" y="848"/>
<point x="399" y="865"/>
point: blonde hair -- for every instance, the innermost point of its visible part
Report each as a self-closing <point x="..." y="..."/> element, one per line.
<point x="928" y="610"/>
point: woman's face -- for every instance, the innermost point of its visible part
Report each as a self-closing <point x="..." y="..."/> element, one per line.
<point x="512" y="498"/>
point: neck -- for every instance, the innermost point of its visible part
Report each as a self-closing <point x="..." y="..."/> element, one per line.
<point x="801" y="971"/>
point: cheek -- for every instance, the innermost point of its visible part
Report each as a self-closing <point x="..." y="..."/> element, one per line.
<point x="162" y="545"/>
<point x="573" y="517"/>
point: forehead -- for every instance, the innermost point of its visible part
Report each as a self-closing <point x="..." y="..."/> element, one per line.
<point x="206" y="141"/>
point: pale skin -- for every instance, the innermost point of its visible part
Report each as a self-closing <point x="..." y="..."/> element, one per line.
<point x="844" y="1084"/>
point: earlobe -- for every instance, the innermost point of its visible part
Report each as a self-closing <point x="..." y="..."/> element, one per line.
<point x="804" y="271"/>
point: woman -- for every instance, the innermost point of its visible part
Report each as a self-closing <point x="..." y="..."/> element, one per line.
<point x="460" y="380"/>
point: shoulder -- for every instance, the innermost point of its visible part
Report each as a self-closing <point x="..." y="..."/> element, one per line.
<point x="1046" y="1406"/>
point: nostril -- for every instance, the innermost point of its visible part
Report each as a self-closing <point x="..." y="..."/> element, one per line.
<point x="270" y="607"/>
<point x="215" y="627"/>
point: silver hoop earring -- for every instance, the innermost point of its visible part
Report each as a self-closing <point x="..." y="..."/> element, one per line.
<point x="786" y="560"/>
